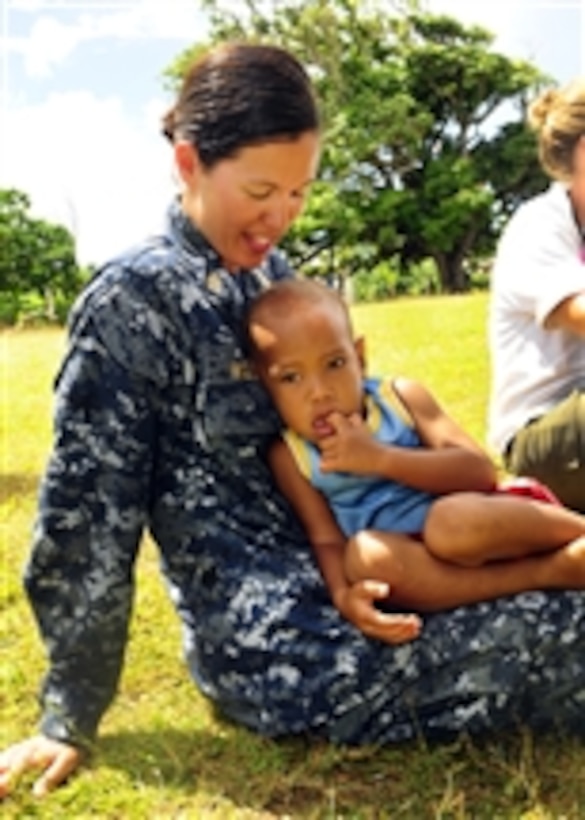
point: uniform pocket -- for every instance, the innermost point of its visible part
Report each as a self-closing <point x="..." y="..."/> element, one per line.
<point x="231" y="401"/>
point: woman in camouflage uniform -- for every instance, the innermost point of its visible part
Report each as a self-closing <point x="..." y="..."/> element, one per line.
<point x="159" y="425"/>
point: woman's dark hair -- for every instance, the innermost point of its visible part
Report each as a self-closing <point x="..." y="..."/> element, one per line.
<point x="240" y="94"/>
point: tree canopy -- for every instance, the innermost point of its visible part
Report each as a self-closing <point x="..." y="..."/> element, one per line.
<point x="36" y="257"/>
<point x="426" y="150"/>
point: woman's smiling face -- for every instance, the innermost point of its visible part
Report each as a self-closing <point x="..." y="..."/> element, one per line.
<point x="244" y="204"/>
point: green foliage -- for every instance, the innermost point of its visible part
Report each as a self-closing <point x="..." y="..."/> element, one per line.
<point x="387" y="279"/>
<point x="38" y="270"/>
<point x="375" y="284"/>
<point x="425" y="148"/>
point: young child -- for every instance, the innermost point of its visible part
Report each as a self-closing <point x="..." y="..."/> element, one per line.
<point x="370" y="466"/>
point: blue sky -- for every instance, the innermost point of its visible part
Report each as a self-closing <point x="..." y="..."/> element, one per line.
<point x="82" y="95"/>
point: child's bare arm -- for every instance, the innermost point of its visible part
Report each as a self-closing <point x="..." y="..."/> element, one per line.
<point x="455" y="460"/>
<point x="449" y="461"/>
<point x="313" y="511"/>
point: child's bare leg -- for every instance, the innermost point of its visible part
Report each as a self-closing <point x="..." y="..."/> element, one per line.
<point x="472" y="528"/>
<point x="421" y="582"/>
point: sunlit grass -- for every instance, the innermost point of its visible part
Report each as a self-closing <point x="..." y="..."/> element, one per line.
<point x="439" y="340"/>
<point x="163" y="752"/>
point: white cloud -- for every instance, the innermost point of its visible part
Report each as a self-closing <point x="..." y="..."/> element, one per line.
<point x="540" y="31"/>
<point x="500" y="18"/>
<point x="504" y="18"/>
<point x="85" y="161"/>
<point x="489" y="15"/>
<point x="169" y="20"/>
<point x="49" y="43"/>
<point x="108" y="180"/>
<point x="53" y="36"/>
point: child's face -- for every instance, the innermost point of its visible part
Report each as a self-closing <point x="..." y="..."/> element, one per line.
<point x="311" y="367"/>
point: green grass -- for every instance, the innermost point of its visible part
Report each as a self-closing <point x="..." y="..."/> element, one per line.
<point x="163" y="752"/>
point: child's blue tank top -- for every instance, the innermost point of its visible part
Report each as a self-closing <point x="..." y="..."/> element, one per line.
<point x="369" y="502"/>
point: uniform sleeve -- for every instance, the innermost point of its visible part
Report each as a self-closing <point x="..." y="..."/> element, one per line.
<point x="92" y="510"/>
<point x="279" y="266"/>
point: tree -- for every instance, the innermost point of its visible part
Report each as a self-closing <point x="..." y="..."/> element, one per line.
<point x="36" y="257"/>
<point x="457" y="179"/>
<point x="426" y="150"/>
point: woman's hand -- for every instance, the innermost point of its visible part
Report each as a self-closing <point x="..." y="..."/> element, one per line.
<point x="356" y="603"/>
<point x="55" y="760"/>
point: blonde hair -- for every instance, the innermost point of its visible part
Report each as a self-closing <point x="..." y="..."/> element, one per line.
<point x="558" y="117"/>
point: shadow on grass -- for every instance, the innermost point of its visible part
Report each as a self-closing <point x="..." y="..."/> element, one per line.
<point x="229" y="762"/>
<point x="18" y="484"/>
<point x="501" y="775"/>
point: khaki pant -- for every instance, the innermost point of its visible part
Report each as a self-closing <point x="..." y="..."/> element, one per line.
<point x="552" y="449"/>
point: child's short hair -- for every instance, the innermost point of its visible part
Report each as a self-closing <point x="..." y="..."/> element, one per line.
<point x="287" y="295"/>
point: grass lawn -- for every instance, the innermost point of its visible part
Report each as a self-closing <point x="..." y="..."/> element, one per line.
<point x="163" y="752"/>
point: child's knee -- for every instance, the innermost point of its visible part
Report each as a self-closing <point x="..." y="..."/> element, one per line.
<point x="367" y="557"/>
<point x="355" y="559"/>
<point x="441" y="526"/>
<point x="446" y="532"/>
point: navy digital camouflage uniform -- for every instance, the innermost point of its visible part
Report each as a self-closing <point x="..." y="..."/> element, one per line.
<point x="159" y="425"/>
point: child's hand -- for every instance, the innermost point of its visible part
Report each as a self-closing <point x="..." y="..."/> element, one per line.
<point x="356" y="603"/>
<point x="351" y="448"/>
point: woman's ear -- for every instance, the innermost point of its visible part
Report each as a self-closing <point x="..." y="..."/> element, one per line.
<point x="187" y="161"/>
<point x="360" y="349"/>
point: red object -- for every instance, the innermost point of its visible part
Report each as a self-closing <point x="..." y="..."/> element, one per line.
<point x="529" y="488"/>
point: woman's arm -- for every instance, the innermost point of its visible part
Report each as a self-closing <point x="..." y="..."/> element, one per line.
<point x="94" y="498"/>
<point x="92" y="509"/>
<point x="568" y="315"/>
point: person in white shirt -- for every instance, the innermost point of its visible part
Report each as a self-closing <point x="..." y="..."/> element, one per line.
<point x="537" y="311"/>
